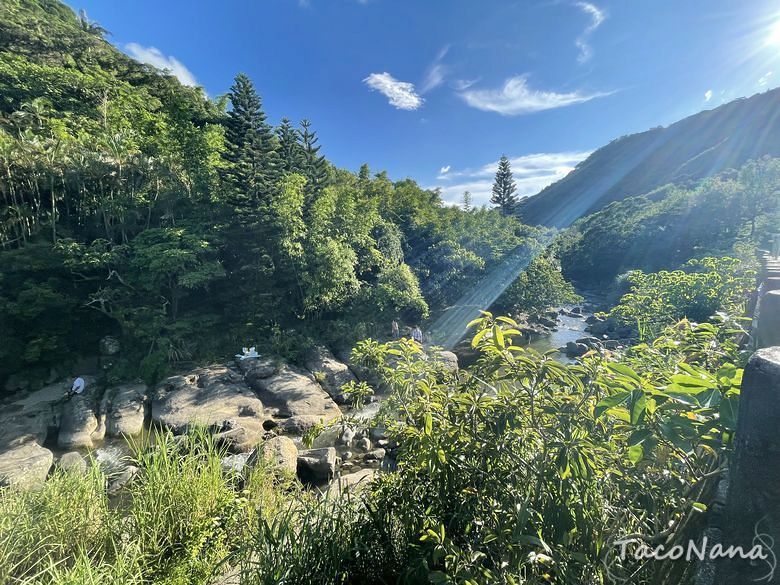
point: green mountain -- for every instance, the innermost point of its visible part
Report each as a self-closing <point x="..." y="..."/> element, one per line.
<point x="696" y="147"/>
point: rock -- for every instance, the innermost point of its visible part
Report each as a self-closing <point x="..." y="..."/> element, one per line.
<point x="590" y="342"/>
<point x="363" y="444"/>
<point x="236" y="463"/>
<point x="295" y="394"/>
<point x="121" y="480"/>
<point x="375" y="455"/>
<point x="78" y="421"/>
<point x="330" y="373"/>
<point x="592" y="319"/>
<point x="347" y="455"/>
<point x="280" y="451"/>
<point x="577" y="310"/>
<point x="25" y="465"/>
<point x="612" y="344"/>
<point x="215" y="397"/>
<point x="574" y="349"/>
<point x="351" y="482"/>
<point x="109" y="345"/>
<point x="377" y="433"/>
<point x="346" y="437"/>
<point x="258" y="368"/>
<point x="16" y="383"/>
<point x="124" y="408"/>
<point x="317" y="465"/>
<point x="448" y="360"/>
<point x="73" y="462"/>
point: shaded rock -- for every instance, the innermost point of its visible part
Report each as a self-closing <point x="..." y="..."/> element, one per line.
<point x="330" y="373"/>
<point x="73" y="462"/>
<point x="109" y="345"/>
<point x="590" y="342"/>
<point x="258" y="368"/>
<point x="295" y="394"/>
<point x="280" y="451"/>
<point x="215" y="397"/>
<point x="375" y="455"/>
<point x="124" y="408"/>
<point x="574" y="349"/>
<point x="363" y="444"/>
<point x="25" y="465"/>
<point x="317" y="465"/>
<point x="121" y="480"/>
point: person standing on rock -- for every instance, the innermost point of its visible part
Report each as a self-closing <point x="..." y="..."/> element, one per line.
<point x="394" y="329"/>
<point x="77" y="388"/>
<point x="417" y="334"/>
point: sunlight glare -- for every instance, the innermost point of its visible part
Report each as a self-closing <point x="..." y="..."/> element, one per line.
<point x="774" y="34"/>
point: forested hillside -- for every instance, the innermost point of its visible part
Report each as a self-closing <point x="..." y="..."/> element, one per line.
<point x="697" y="147"/>
<point x="136" y="206"/>
<point x="728" y="214"/>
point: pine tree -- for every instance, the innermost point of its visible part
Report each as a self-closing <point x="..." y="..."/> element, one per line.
<point x="504" y="188"/>
<point x="290" y="150"/>
<point x="314" y="167"/>
<point x="251" y="145"/>
<point x="467" y="201"/>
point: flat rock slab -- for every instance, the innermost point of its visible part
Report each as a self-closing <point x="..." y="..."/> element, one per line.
<point x="124" y="409"/>
<point x="216" y="397"/>
<point x="25" y="466"/>
<point x="329" y="372"/>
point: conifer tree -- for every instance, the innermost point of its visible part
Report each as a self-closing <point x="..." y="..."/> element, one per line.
<point x="290" y="150"/>
<point x="314" y="167"/>
<point x="467" y="201"/>
<point x="251" y="145"/>
<point x="504" y="188"/>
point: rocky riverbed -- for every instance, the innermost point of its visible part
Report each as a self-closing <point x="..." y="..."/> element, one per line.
<point x="257" y="407"/>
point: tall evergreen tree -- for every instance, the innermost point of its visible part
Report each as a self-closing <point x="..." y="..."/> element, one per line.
<point x="504" y="188"/>
<point x="467" y="201"/>
<point x="290" y="150"/>
<point x="315" y="167"/>
<point x="251" y="145"/>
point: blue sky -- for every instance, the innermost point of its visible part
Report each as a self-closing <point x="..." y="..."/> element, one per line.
<point x="437" y="90"/>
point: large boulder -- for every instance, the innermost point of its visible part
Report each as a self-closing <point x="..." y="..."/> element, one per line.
<point x="317" y="465"/>
<point x="280" y="451"/>
<point x="73" y="463"/>
<point x="258" y="368"/>
<point x="25" y="465"/>
<point x="215" y="397"/>
<point x="351" y="482"/>
<point x="329" y="372"/>
<point x="124" y="409"/>
<point x="78" y="419"/>
<point x="448" y="360"/>
<point x="295" y="395"/>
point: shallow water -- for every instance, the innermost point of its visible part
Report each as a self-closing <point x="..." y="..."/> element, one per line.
<point x="569" y="329"/>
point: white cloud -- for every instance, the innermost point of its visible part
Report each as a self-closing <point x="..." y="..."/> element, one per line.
<point x="708" y="95"/>
<point x="463" y="84"/>
<point x="400" y="94"/>
<point x="436" y="73"/>
<point x="444" y="170"/>
<point x="532" y="173"/>
<point x="765" y="78"/>
<point x="515" y="97"/>
<point x="153" y="56"/>
<point x="597" y="16"/>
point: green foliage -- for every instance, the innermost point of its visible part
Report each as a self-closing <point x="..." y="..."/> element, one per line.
<point x="697" y="292"/>
<point x="667" y="227"/>
<point x="538" y="288"/>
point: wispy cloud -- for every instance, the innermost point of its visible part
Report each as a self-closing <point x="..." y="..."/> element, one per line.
<point x="765" y="78"/>
<point x="516" y="97"/>
<point x="153" y="56"/>
<point x="436" y="72"/>
<point x="597" y="16"/>
<point x="463" y="84"/>
<point x="708" y="95"/>
<point x="400" y="94"/>
<point x="532" y="173"/>
<point x="444" y="170"/>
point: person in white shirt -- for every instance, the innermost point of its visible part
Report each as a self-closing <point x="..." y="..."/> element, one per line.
<point x="77" y="388"/>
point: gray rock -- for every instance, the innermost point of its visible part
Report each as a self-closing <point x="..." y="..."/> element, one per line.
<point x="236" y="463"/>
<point x="78" y="421"/>
<point x="448" y="360"/>
<point x="574" y="349"/>
<point x="73" y="462"/>
<point x="330" y="373"/>
<point x="124" y="408"/>
<point x="375" y="455"/>
<point x="351" y="482"/>
<point x="346" y="437"/>
<point x="109" y="345"/>
<point x="363" y="444"/>
<point x="123" y="479"/>
<point x="295" y="393"/>
<point x="590" y="342"/>
<point x="25" y="465"/>
<point x="258" y="368"/>
<point x="317" y="465"/>
<point x="280" y="451"/>
<point x="215" y="397"/>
